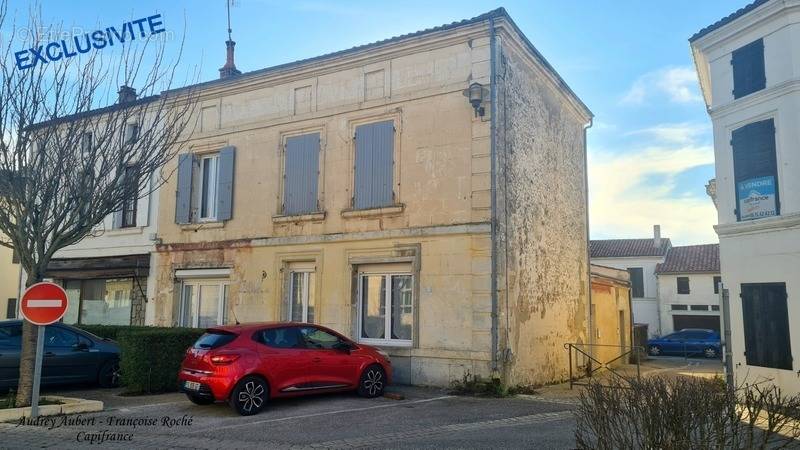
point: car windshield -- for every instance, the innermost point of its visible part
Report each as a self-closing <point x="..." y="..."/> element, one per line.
<point x="214" y="339"/>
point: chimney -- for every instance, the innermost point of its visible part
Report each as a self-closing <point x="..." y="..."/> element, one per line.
<point x="229" y="69"/>
<point x="657" y="236"/>
<point x="126" y="94"/>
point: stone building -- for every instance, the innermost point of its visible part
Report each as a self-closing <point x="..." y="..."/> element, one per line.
<point x="425" y="194"/>
<point x="750" y="80"/>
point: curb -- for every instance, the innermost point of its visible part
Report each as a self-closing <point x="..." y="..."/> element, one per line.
<point x="68" y="406"/>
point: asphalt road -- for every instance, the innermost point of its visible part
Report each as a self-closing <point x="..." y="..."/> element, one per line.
<point x="426" y="418"/>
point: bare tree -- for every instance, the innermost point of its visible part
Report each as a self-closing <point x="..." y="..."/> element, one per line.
<point x="67" y="160"/>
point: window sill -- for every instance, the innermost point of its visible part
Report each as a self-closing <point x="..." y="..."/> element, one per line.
<point x="197" y="226"/>
<point x="391" y="210"/>
<point x="311" y="217"/>
<point x="124" y="231"/>
<point x="386" y="344"/>
<point x="759" y="225"/>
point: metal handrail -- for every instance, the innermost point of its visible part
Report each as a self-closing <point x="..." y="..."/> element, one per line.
<point x="602" y="364"/>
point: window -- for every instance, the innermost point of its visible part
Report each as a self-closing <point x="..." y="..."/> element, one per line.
<point x="86" y="143"/>
<point x="637" y="281"/>
<point x="715" y="307"/>
<point x="749" y="74"/>
<point x="766" y="325"/>
<point x="318" y="339"/>
<point x="11" y="309"/>
<point x="58" y="337"/>
<point x="386" y="308"/>
<point x="717" y="281"/>
<point x="300" y="174"/>
<point x="679" y="307"/>
<point x="288" y="337"/>
<point x="755" y="171"/>
<point x="128" y="214"/>
<point x="699" y="307"/>
<point x="204" y="303"/>
<point x="131" y="133"/>
<point x="301" y="295"/>
<point x="11" y="336"/>
<point x="374" y="165"/>
<point x="214" y="339"/>
<point x="99" y="302"/>
<point x="205" y="187"/>
<point x="683" y="285"/>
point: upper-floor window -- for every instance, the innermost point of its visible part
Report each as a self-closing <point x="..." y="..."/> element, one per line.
<point x="748" y="69"/>
<point x="683" y="285"/>
<point x="374" y="165"/>
<point x="128" y="213"/>
<point x="205" y="187"/>
<point x="131" y="132"/>
<point x="637" y="281"/>
<point x="755" y="171"/>
<point x="301" y="174"/>
<point x="717" y="282"/>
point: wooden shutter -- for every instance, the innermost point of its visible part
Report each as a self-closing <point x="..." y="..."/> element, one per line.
<point x="637" y="282"/>
<point x="766" y="325"/>
<point x="225" y="183"/>
<point x="301" y="174"/>
<point x="374" y="165"/>
<point x="183" y="195"/>
<point x="754" y="156"/>
<point x="749" y="74"/>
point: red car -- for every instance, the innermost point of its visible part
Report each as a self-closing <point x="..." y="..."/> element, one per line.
<point x="247" y="365"/>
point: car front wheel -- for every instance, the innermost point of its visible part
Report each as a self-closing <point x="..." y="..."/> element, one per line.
<point x="710" y="352"/>
<point x="109" y="374"/>
<point x="372" y="382"/>
<point x="655" y="350"/>
<point x="249" y="396"/>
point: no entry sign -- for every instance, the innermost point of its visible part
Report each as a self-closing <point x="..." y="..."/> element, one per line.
<point x="44" y="303"/>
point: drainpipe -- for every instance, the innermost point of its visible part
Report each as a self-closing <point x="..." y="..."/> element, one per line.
<point x="588" y="251"/>
<point x="493" y="156"/>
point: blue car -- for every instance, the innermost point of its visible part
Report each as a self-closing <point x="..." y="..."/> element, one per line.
<point x="689" y="342"/>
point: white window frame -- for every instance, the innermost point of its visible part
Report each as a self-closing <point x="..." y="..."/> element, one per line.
<point x="386" y="341"/>
<point x="305" y="281"/>
<point x="224" y="289"/>
<point x="211" y="194"/>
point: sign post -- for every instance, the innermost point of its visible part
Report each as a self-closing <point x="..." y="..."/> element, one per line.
<point x="41" y="305"/>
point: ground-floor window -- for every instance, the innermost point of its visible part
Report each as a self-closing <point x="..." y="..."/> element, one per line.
<point x="301" y="295"/>
<point x="386" y="303"/>
<point x="766" y="325"/>
<point x="203" y="303"/>
<point x="100" y="301"/>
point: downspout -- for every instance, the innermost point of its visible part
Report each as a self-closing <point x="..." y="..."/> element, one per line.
<point x="588" y="249"/>
<point x="493" y="157"/>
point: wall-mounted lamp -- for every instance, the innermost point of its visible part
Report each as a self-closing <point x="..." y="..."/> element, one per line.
<point x="476" y="93"/>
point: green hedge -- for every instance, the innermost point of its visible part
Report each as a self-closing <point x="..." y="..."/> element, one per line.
<point x="150" y="356"/>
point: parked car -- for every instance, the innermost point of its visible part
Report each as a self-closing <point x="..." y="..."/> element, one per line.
<point x="689" y="341"/>
<point x="70" y="355"/>
<point x="246" y="365"/>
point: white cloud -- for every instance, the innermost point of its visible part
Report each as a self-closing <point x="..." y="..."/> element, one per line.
<point x="678" y="133"/>
<point x="677" y="84"/>
<point x="625" y="201"/>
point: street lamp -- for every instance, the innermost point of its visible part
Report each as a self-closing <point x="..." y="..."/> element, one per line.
<point x="476" y="93"/>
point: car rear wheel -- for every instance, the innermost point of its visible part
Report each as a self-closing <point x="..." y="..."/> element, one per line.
<point x="655" y="350"/>
<point x="109" y="374"/>
<point x="249" y="396"/>
<point x="197" y="400"/>
<point x="710" y="352"/>
<point x="373" y="382"/>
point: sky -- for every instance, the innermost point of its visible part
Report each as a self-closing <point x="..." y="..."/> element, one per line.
<point x="650" y="147"/>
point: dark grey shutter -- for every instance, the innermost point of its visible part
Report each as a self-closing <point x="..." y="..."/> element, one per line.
<point x="225" y="183"/>
<point x="754" y="156"/>
<point x="183" y="194"/>
<point x="767" y="341"/>
<point x="749" y="74"/>
<point x="374" y="168"/>
<point x="301" y="172"/>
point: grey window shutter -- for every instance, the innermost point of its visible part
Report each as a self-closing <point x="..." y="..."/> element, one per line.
<point x="749" y="72"/>
<point x="374" y="168"/>
<point x="754" y="156"/>
<point x="301" y="172"/>
<point x="183" y="195"/>
<point x="225" y="183"/>
<point x="143" y="206"/>
<point x="117" y="223"/>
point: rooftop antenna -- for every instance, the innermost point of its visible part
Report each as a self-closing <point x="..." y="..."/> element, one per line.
<point x="229" y="69"/>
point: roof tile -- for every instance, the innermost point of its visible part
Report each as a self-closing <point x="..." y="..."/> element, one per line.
<point x="691" y="258"/>
<point x="620" y="248"/>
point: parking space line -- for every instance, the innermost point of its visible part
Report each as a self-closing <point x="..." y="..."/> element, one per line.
<point x="327" y="413"/>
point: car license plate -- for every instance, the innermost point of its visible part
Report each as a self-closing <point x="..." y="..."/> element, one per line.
<point x="192" y="385"/>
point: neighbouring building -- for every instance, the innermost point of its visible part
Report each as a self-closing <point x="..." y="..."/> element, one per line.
<point x="640" y="258"/>
<point x="688" y="288"/>
<point x="612" y="324"/>
<point x="750" y="80"/>
<point x="425" y="194"/>
<point x="9" y="283"/>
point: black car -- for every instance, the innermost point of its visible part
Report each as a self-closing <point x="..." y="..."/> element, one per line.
<point x="70" y="356"/>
